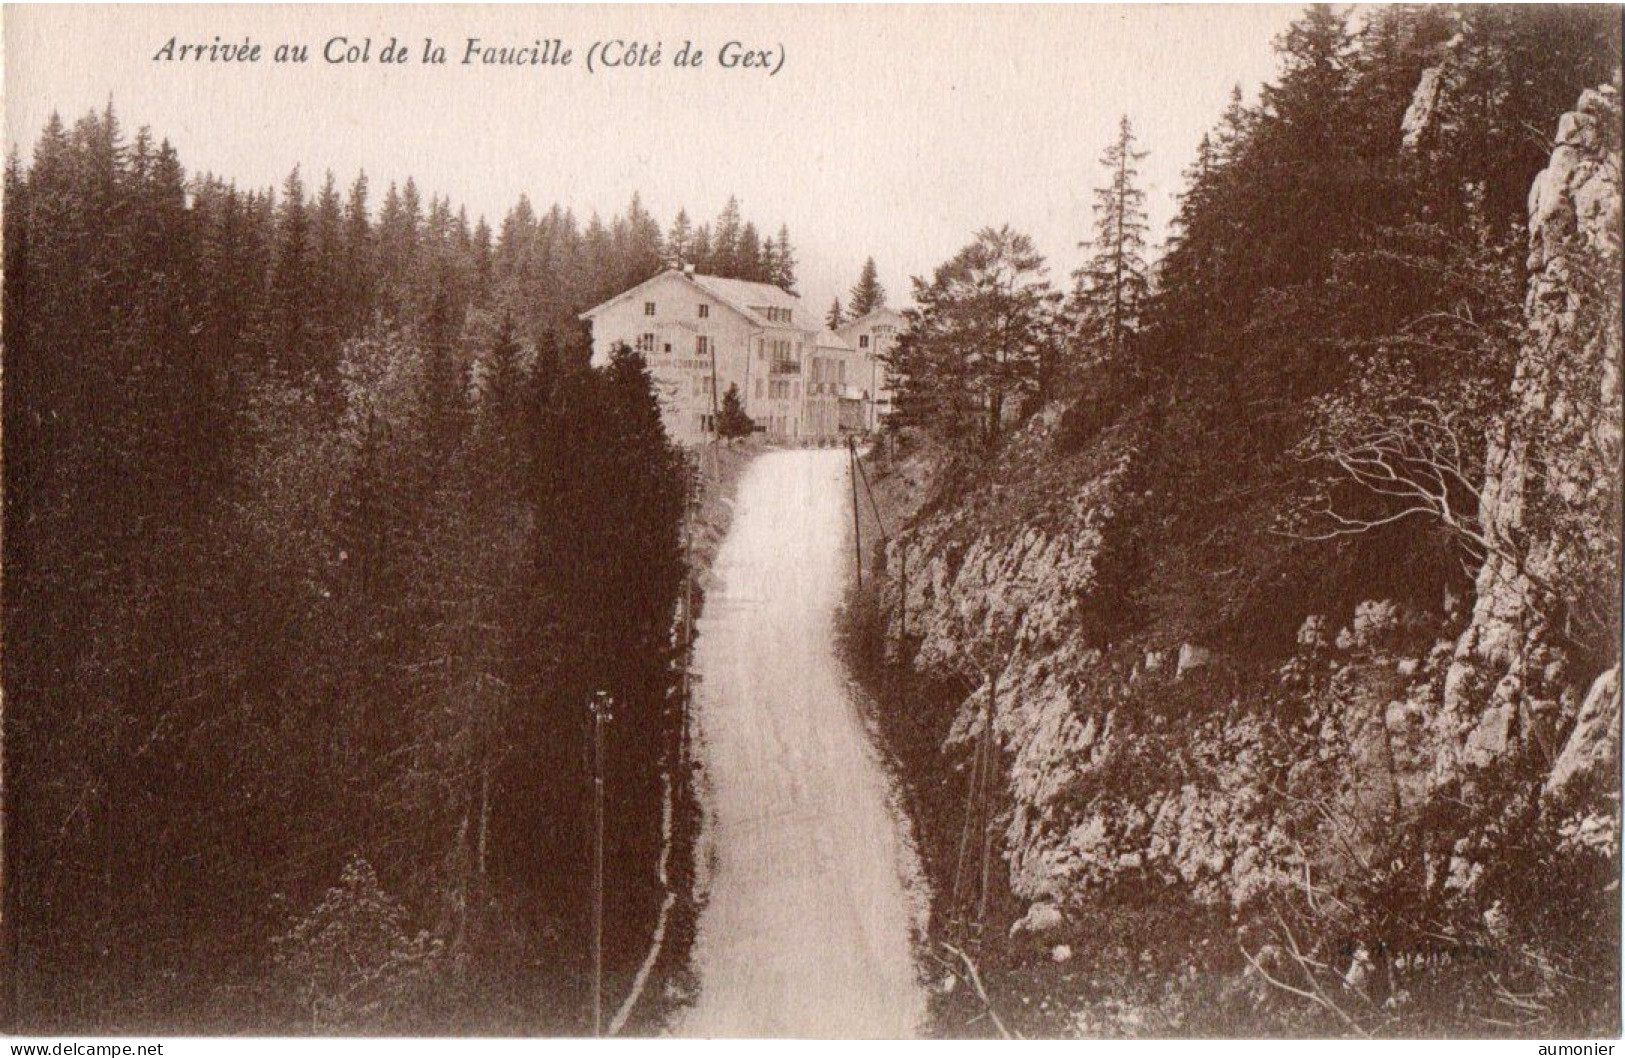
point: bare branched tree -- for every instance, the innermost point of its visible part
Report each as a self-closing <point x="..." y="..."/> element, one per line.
<point x="1420" y="461"/>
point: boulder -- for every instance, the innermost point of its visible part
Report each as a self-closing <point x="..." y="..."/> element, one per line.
<point x="1192" y="657"/>
<point x="1041" y="918"/>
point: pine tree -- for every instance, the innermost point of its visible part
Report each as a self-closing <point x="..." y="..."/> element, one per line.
<point x="484" y="255"/>
<point x="329" y="264"/>
<point x="293" y="338"/>
<point x="834" y="317"/>
<point x="502" y="377"/>
<point x="782" y="274"/>
<point x="769" y="265"/>
<point x="703" y="256"/>
<point x="444" y="380"/>
<point x="1112" y="286"/>
<point x="356" y="280"/>
<point x="748" y="263"/>
<point x="639" y="247"/>
<point x="868" y="295"/>
<point x="725" y="240"/>
<point x="679" y="246"/>
<point x="975" y="346"/>
<point x="731" y="420"/>
<point x="514" y="244"/>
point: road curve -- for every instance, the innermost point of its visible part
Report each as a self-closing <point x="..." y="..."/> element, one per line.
<point x="806" y="927"/>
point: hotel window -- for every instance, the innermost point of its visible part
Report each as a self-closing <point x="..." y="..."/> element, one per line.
<point x="863" y="341"/>
<point x="646" y="343"/>
<point x="648" y="308"/>
<point x="702" y="345"/>
<point x="705" y="312"/>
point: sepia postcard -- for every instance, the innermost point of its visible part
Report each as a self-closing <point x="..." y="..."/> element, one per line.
<point x="796" y="522"/>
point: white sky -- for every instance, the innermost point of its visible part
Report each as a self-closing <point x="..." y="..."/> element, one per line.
<point x="892" y="131"/>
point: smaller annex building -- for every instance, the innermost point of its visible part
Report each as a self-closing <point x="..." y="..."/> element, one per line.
<point x="872" y="336"/>
<point x="701" y="335"/>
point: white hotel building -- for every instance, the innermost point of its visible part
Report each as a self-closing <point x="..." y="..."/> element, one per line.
<point x="701" y="334"/>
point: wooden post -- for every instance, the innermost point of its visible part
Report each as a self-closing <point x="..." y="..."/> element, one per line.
<point x="600" y="707"/>
<point x="972" y="789"/>
<point x="857" y="529"/>
<point x="902" y="592"/>
<point x="987" y="801"/>
<point x="715" y="411"/>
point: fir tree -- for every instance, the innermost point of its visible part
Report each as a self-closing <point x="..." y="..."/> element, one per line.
<point x="782" y="273"/>
<point x="834" y="317"/>
<point x="747" y="260"/>
<point x="731" y="420"/>
<point x="704" y="257"/>
<point x="679" y="246"/>
<point x="292" y="340"/>
<point x="725" y="240"/>
<point x="1112" y="286"/>
<point x="639" y="245"/>
<point x="868" y="295"/>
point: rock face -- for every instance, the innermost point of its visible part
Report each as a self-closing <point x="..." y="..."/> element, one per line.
<point x="1419" y="117"/>
<point x="1143" y="763"/>
<point x="1593" y="745"/>
<point x="1551" y="482"/>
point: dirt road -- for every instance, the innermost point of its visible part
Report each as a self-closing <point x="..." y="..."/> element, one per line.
<point x="807" y="922"/>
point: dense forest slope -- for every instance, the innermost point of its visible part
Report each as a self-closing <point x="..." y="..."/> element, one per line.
<point x="1295" y="618"/>
<point x="320" y="534"/>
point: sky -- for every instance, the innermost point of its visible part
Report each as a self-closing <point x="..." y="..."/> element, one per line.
<point x="895" y="132"/>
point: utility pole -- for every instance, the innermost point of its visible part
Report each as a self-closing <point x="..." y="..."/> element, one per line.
<point x="972" y="793"/>
<point x="874" y="508"/>
<point x="857" y="529"/>
<point x="902" y="592"/>
<point x="600" y="708"/>
<point x="989" y="748"/>
<point x="711" y="344"/>
<point x="874" y="389"/>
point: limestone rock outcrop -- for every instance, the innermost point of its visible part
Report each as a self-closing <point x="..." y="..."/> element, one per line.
<point x="1143" y="762"/>
<point x="1548" y="504"/>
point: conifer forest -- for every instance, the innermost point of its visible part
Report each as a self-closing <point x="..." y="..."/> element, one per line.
<point x="320" y="534"/>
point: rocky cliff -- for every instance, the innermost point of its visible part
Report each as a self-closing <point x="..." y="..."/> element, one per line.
<point x="1549" y="501"/>
<point x="1150" y="760"/>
